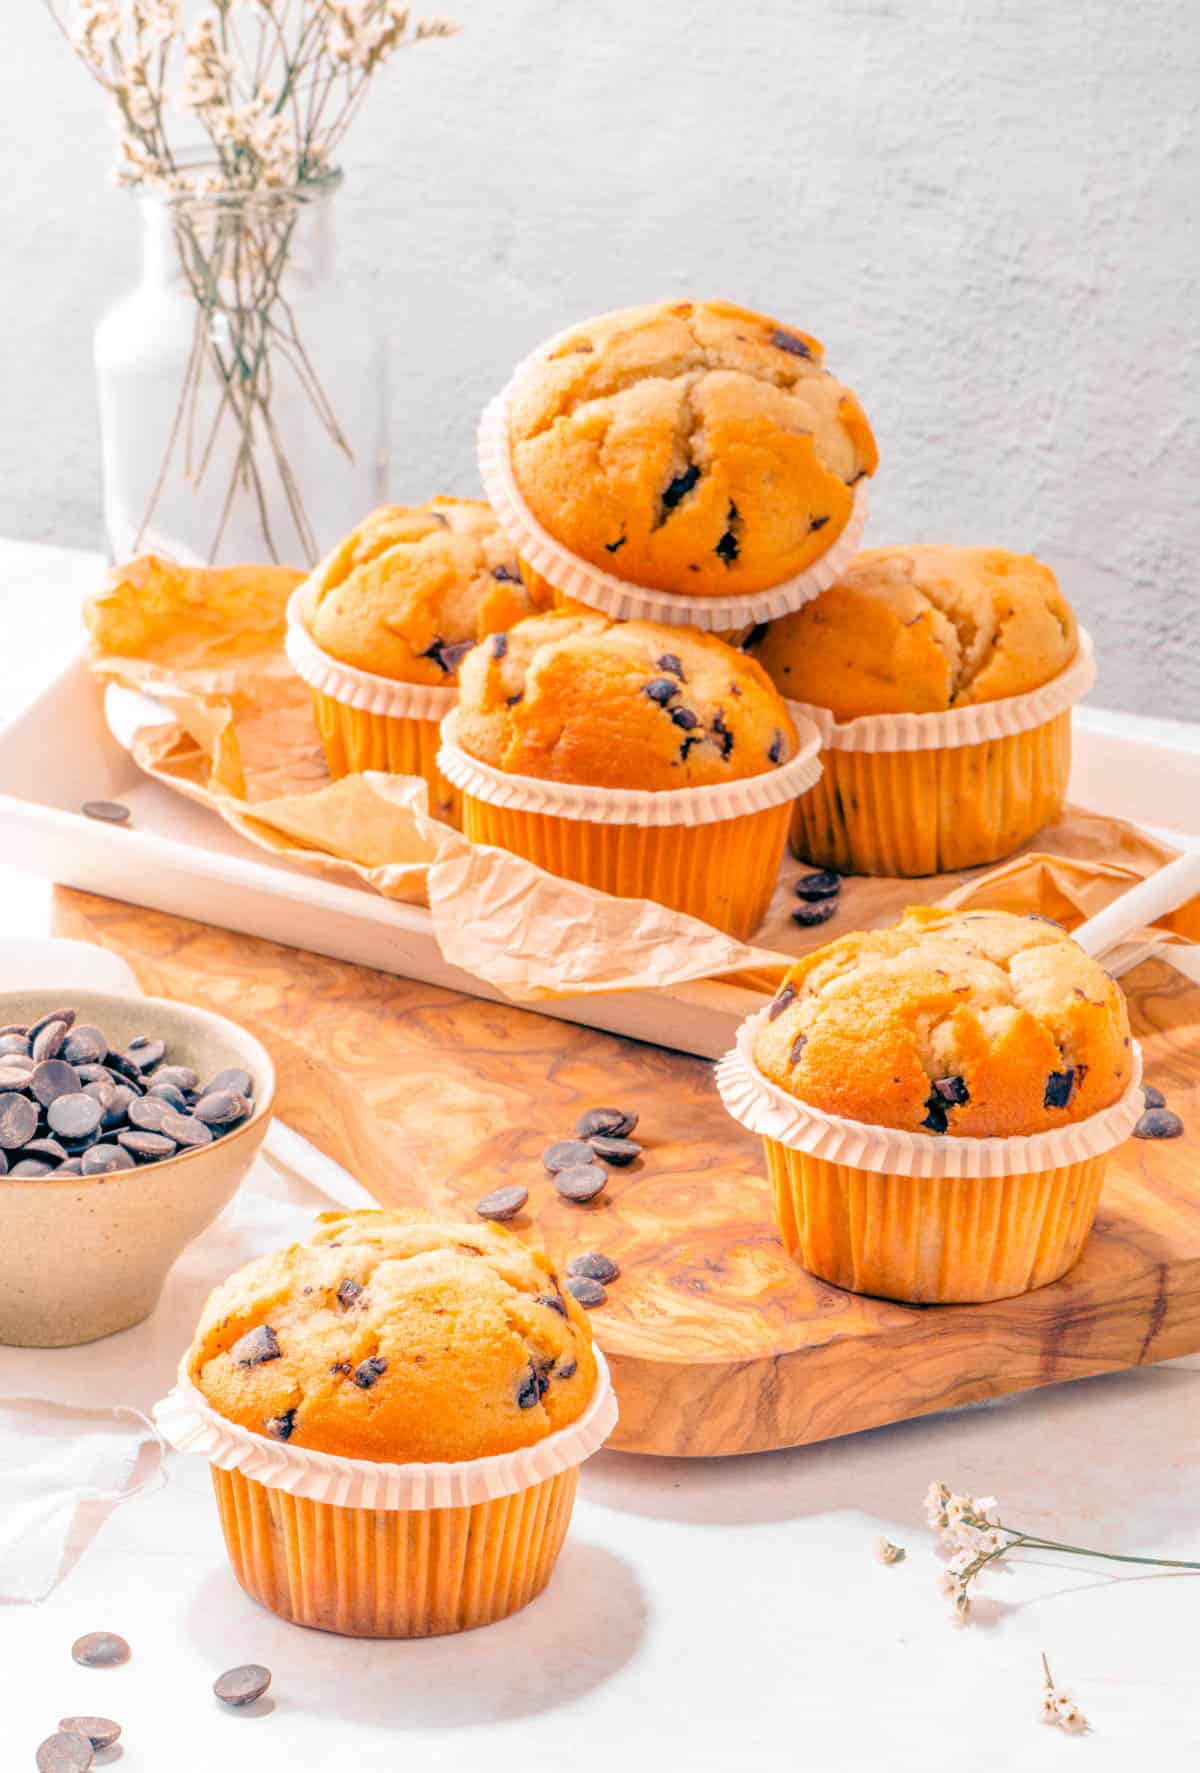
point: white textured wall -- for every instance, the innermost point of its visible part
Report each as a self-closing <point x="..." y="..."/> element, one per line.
<point x="988" y="212"/>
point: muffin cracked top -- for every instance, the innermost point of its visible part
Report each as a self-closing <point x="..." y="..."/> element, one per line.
<point x="393" y="1337"/>
<point x="412" y="589"/>
<point x="693" y="447"/>
<point x="574" y="697"/>
<point x="974" y="1023"/>
<point x="923" y="629"/>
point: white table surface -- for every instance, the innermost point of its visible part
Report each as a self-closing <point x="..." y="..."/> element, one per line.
<point x="721" y="1615"/>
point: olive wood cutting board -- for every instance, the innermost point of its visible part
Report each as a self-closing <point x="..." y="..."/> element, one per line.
<point x="718" y="1342"/>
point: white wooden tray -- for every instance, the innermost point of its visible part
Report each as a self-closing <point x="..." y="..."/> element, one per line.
<point x="178" y="857"/>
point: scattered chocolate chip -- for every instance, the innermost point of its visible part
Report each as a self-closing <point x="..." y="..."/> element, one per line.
<point x="671" y="662"/>
<point x="100" y="1732"/>
<point x="221" y="1108"/>
<point x="816" y="523"/>
<point x="614" y="1123"/>
<point x="109" y="812"/>
<point x="798" y="1046"/>
<point x="256" y="1347"/>
<point x="85" y="1045"/>
<point x="369" y="1372"/>
<point x="565" y="1153"/>
<point x="102" y="1160"/>
<point x="593" y="1266"/>
<point x="585" y="1291"/>
<point x="787" y="341"/>
<point x="18" y="1121"/>
<point x="100" y="1649"/>
<point x="775" y="748"/>
<point x="953" y="1090"/>
<point x="780" y="1003"/>
<point x="49" y="1041"/>
<point x="552" y="1302"/>
<point x="611" y="547"/>
<point x="683" y="717"/>
<point x="507" y="575"/>
<point x="727" y="545"/>
<point x="824" y="884"/>
<point x="1154" y="1098"/>
<point x="808" y="916"/>
<point x="67" y="1751"/>
<point x="75" y="1115"/>
<point x="280" y="1427"/>
<point x="1157" y="1123"/>
<point x="349" y="1291"/>
<point x="185" y="1129"/>
<point x="1059" y="1085"/>
<point x="660" y="690"/>
<point x="147" y="1147"/>
<point x="614" y="1151"/>
<point x="52" y="1078"/>
<point x="680" y="487"/>
<point x="499" y="645"/>
<point x="582" y="1182"/>
<point x="242" y="1686"/>
<point x="502" y="1203"/>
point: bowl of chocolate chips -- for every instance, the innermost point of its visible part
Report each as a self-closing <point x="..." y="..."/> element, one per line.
<point x="126" y="1124"/>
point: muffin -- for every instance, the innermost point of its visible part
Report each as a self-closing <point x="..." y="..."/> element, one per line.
<point x="651" y="762"/>
<point x="945" y="1095"/>
<point x="942" y="679"/>
<point x="388" y="1341"/>
<point x="693" y="448"/>
<point x="379" y="628"/>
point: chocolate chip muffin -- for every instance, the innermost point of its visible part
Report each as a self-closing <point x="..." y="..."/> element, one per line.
<point x="573" y="697"/>
<point x="691" y="447"/>
<point x="922" y="629"/>
<point x="398" y="1338"/>
<point x="973" y="1024"/>
<point x="413" y="588"/>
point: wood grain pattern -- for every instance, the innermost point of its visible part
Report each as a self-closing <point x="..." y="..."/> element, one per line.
<point x="718" y="1343"/>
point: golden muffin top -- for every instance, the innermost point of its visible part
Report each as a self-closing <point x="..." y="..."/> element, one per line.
<point x="975" y="1023"/>
<point x="693" y="447"/>
<point x="571" y="696"/>
<point x="414" y="587"/>
<point x="921" y="629"/>
<point x="395" y="1337"/>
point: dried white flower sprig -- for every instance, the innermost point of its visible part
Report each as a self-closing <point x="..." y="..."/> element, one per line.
<point x="1059" y="1708"/>
<point x="974" y="1536"/>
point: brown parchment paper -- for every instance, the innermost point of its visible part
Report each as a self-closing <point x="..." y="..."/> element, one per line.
<point x="207" y="645"/>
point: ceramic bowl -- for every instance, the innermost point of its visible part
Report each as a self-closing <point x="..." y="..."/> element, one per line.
<point x="87" y="1256"/>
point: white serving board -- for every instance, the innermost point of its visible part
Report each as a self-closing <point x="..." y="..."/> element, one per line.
<point x="179" y="857"/>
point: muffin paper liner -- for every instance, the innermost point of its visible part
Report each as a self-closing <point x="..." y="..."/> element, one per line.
<point x="191" y="1425"/>
<point x="957" y="726"/>
<point x="703" y="805"/>
<point x="362" y="690"/>
<point x="764" y="1108"/>
<point x="580" y="579"/>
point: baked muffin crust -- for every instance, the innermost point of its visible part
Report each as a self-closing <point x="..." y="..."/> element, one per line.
<point x="571" y="696"/>
<point x="408" y="592"/>
<point x="973" y="1023"/>
<point x="395" y="1337"/>
<point x="694" y="447"/>
<point x="922" y="629"/>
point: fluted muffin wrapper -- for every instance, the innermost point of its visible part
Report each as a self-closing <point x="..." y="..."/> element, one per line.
<point x="572" y="577"/>
<point x="365" y="691"/>
<point x="191" y="1425"/>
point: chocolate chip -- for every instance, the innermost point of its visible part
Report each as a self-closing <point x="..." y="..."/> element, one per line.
<point x="348" y="1292"/>
<point x="787" y="341"/>
<point x="582" y="1182"/>
<point x="100" y="1732"/>
<point x="75" y="1115"/>
<point x="85" y="1045"/>
<point x="67" y="1751"/>
<point x="30" y="1167"/>
<point x="499" y="645"/>
<point x="185" y="1129"/>
<point x="593" y="1266"/>
<point x="808" y="916"/>
<point x="280" y="1427"/>
<point x="18" y="1121"/>
<point x="953" y="1090"/>
<point x="611" y="547"/>
<point x="585" y="1291"/>
<point x="149" y="1148"/>
<point x="15" y="1028"/>
<point x="680" y="487"/>
<point x="672" y="663"/>
<point x="816" y="523"/>
<point x="242" y="1686"/>
<point x="100" y="1649"/>
<point x="660" y="690"/>
<point x="14" y="1043"/>
<point x="531" y="1390"/>
<point x="1154" y="1098"/>
<point x="566" y="1369"/>
<point x="722" y="733"/>
<point x="507" y="575"/>
<point x="146" y="1053"/>
<point x="116" y="1105"/>
<point x="727" y="546"/>
<point x="369" y="1372"/>
<point x="72" y="1167"/>
<point x="168" y="1095"/>
<point x="109" y="812"/>
<point x="146" y="1112"/>
<point x="125" y="1068"/>
<point x="775" y="748"/>
<point x="935" y="1119"/>
<point x="49" y="1150"/>
<point x="614" y="1123"/>
<point x="256" y="1347"/>
<point x="565" y="1153"/>
<point x="221" y="1108"/>
<point x="798" y="1046"/>
<point x="502" y="1203"/>
<point x="1038" y="917"/>
<point x="1059" y="1085"/>
<point x="52" y="1078"/>
<point x="824" y="884"/>
<point x="102" y="1160"/>
<point x="1158" y="1123"/>
<point x="49" y="1040"/>
<point x="614" y="1151"/>
<point x="182" y="1077"/>
<point x="683" y="717"/>
<point x="780" y="1003"/>
<point x="552" y="1302"/>
<point x="755" y="635"/>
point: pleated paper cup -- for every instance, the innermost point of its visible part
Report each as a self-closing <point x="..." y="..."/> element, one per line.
<point x="372" y="1550"/>
<point x="927" y="1219"/>
<point x="712" y="852"/>
<point x="548" y="565"/>
<point x="367" y="722"/>
<point x="912" y="794"/>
